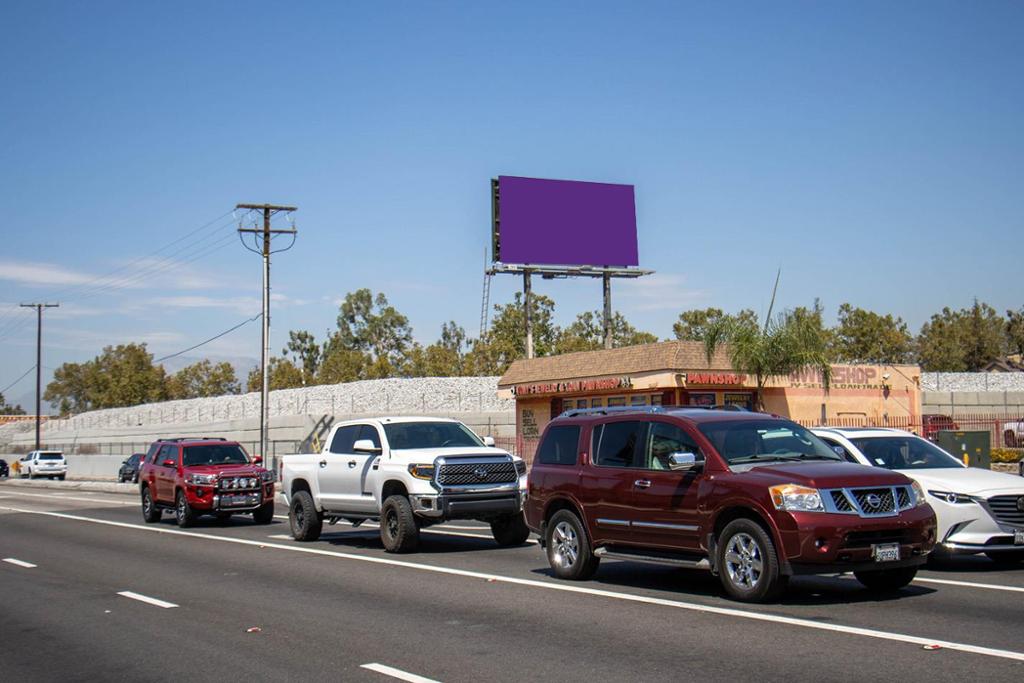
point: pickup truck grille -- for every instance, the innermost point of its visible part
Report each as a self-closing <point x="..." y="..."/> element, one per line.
<point x="1007" y="509"/>
<point x="456" y="474"/>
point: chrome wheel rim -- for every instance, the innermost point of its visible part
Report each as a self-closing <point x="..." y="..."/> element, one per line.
<point x="181" y="507"/>
<point x="147" y="503"/>
<point x="744" y="562"/>
<point x="565" y="545"/>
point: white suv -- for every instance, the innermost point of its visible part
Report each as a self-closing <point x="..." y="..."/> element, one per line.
<point x="43" y="464"/>
<point x="978" y="511"/>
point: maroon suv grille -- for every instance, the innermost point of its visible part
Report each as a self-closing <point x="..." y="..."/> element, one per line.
<point x="875" y="501"/>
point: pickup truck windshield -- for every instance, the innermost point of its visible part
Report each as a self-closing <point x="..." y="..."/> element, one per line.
<point x="214" y="455"/>
<point x="904" y="453"/>
<point x="754" y="441"/>
<point x="404" y="435"/>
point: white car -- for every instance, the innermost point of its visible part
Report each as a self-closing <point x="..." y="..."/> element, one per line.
<point x="407" y="473"/>
<point x="1013" y="434"/>
<point x="43" y="464"/>
<point x="978" y="511"/>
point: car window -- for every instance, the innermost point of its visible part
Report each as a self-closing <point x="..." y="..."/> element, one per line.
<point x="404" y="435"/>
<point x="833" y="444"/>
<point x="344" y="438"/>
<point x="51" y="456"/>
<point x="752" y="441"/>
<point x="169" y="452"/>
<point x="617" y="444"/>
<point x="369" y="432"/>
<point x="904" y="453"/>
<point x="559" y="446"/>
<point x="664" y="439"/>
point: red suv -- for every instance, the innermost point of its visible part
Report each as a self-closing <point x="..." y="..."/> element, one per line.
<point x="204" y="476"/>
<point x="752" y="497"/>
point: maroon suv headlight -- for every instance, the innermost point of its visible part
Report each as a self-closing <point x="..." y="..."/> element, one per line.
<point x="796" y="498"/>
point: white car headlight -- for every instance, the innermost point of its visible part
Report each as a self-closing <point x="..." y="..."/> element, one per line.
<point x="796" y="498"/>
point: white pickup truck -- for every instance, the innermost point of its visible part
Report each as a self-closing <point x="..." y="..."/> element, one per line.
<point x="406" y="473"/>
<point x="1013" y="434"/>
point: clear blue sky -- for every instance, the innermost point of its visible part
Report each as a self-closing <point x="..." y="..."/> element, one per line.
<point x="873" y="151"/>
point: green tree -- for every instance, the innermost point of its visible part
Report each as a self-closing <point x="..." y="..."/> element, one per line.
<point x="342" y="365"/>
<point x="203" y="379"/>
<point x="961" y="341"/>
<point x="586" y="333"/>
<point x="505" y="341"/>
<point x="283" y="375"/>
<point x="307" y="352"/>
<point x="693" y="325"/>
<point x="788" y="342"/>
<point x="444" y="358"/>
<point x="6" y="409"/>
<point x="122" y="375"/>
<point x="1015" y="331"/>
<point x="866" y="337"/>
<point x="367" y="323"/>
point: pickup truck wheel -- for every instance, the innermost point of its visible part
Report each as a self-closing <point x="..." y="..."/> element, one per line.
<point x="184" y="515"/>
<point x="264" y="514"/>
<point x="305" y="521"/>
<point x="568" y="547"/>
<point x="510" y="530"/>
<point x="398" y="529"/>
<point x="747" y="564"/>
<point x="150" y="512"/>
<point x="887" y="579"/>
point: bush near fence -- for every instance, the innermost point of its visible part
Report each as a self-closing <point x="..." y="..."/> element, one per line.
<point x="1007" y="454"/>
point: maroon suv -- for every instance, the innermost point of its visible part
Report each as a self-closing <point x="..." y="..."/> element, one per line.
<point x="752" y="497"/>
<point x="204" y="476"/>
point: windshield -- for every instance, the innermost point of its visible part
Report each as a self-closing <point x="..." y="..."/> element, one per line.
<point x="215" y="455"/>
<point x="50" y="456"/>
<point x="430" y="435"/>
<point x="904" y="453"/>
<point x="753" y="441"/>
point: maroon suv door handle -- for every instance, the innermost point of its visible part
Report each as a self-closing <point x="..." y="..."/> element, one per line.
<point x="642" y="484"/>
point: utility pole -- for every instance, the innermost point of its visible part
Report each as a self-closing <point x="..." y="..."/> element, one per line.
<point x="607" y="310"/>
<point x="261" y="238"/>
<point x="39" y="364"/>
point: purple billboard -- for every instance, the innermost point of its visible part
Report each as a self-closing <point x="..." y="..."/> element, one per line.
<point x="564" y="222"/>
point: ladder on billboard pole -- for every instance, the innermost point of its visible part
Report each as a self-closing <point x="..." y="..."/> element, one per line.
<point x="485" y="304"/>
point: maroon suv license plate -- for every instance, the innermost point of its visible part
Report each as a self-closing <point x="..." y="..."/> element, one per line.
<point x="886" y="552"/>
<point x="239" y="500"/>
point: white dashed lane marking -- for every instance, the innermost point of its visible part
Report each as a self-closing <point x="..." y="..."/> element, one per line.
<point x="19" y="563"/>
<point x="397" y="673"/>
<point x="146" y="599"/>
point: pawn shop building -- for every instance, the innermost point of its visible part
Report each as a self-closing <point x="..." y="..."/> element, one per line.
<point x="677" y="373"/>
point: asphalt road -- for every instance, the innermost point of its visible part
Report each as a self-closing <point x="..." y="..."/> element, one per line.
<point x="459" y="610"/>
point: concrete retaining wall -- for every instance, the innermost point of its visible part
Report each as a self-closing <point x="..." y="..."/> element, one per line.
<point x="949" y="402"/>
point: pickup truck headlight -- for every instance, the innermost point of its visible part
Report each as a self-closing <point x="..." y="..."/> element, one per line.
<point x="919" y="499"/>
<point x="796" y="498"/>
<point x="520" y="467"/>
<point x="950" y="497"/>
<point x="422" y="471"/>
<point x="201" y="479"/>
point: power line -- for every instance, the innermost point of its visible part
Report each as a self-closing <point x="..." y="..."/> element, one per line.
<point x="228" y="331"/>
<point x="18" y="380"/>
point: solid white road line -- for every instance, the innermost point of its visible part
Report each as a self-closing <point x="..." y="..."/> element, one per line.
<point x="19" y="563"/>
<point x="146" y="599"/>
<point x="564" y="588"/>
<point x="970" y="584"/>
<point x="18" y="494"/>
<point x="397" y="673"/>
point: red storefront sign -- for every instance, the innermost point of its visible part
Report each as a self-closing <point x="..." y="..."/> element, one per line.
<point x="573" y="387"/>
<point x="715" y="378"/>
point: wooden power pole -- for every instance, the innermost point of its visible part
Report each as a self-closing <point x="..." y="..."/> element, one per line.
<point x="39" y="365"/>
<point x="262" y="238"/>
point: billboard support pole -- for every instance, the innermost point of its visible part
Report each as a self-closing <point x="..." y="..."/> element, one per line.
<point x="528" y="312"/>
<point x="607" y="310"/>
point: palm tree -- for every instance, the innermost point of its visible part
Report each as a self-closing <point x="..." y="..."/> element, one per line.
<point x="788" y="342"/>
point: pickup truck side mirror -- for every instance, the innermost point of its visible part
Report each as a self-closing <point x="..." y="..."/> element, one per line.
<point x="365" y="446"/>
<point x="489" y="441"/>
<point x="685" y="462"/>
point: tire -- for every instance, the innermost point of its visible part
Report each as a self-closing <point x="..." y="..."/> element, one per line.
<point x="305" y="521"/>
<point x="568" y="547"/>
<point x="150" y="512"/>
<point x="399" y="531"/>
<point x="509" y="530"/>
<point x="1010" y="439"/>
<point x="1007" y="556"/>
<point x="887" y="580"/>
<point x="747" y="563"/>
<point x="264" y="514"/>
<point x="184" y="515"/>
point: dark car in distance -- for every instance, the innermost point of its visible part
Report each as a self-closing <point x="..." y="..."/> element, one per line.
<point x="204" y="476"/>
<point x="129" y="470"/>
<point x="752" y="497"/>
<point x="5" y="470"/>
